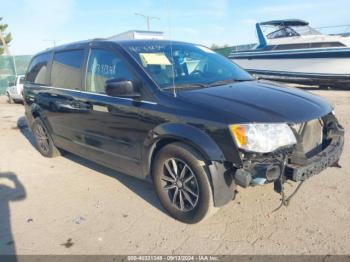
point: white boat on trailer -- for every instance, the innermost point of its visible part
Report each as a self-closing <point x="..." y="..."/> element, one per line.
<point x="291" y="51"/>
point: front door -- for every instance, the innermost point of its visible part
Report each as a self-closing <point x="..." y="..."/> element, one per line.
<point x="110" y="129"/>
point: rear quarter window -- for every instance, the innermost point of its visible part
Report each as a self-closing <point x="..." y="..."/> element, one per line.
<point x="37" y="70"/>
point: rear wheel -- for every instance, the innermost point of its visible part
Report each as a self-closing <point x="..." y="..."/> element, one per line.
<point x="182" y="184"/>
<point x="9" y="98"/>
<point x="43" y="139"/>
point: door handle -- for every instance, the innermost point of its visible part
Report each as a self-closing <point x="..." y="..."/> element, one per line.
<point x="74" y="107"/>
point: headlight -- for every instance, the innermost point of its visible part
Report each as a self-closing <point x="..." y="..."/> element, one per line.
<point x="262" y="138"/>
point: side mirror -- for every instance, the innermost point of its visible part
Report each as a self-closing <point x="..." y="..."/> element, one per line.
<point x="121" y="88"/>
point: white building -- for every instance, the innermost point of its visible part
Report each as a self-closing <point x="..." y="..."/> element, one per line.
<point x="138" y="34"/>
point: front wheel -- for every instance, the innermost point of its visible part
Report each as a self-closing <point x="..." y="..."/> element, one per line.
<point x="182" y="184"/>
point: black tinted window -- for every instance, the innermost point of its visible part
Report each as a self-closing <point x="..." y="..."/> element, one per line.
<point x="37" y="69"/>
<point x="104" y="65"/>
<point x="66" y="69"/>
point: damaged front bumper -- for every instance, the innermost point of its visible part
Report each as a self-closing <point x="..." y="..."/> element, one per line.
<point x="326" y="158"/>
<point x="292" y="163"/>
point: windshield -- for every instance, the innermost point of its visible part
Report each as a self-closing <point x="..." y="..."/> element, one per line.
<point x="306" y="30"/>
<point x="184" y="65"/>
<point x="288" y="31"/>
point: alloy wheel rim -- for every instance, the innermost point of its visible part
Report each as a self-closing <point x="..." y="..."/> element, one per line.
<point x="180" y="184"/>
<point x="42" y="138"/>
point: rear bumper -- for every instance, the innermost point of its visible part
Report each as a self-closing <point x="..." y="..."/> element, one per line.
<point x="328" y="157"/>
<point x="18" y="97"/>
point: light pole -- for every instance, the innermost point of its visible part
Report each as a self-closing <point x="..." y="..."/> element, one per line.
<point x="53" y="41"/>
<point x="148" y="19"/>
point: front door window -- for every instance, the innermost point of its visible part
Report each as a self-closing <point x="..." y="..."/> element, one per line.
<point x="104" y="65"/>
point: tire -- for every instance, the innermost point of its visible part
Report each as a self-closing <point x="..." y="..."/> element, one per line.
<point x="9" y="99"/>
<point x="43" y="140"/>
<point x="178" y="196"/>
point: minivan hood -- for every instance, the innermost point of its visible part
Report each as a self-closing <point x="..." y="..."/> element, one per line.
<point x="258" y="101"/>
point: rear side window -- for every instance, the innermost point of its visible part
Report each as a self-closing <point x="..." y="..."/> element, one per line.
<point x="104" y="65"/>
<point x="66" y="69"/>
<point x="37" y="69"/>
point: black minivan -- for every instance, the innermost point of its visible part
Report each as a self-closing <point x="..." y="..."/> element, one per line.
<point x="180" y="115"/>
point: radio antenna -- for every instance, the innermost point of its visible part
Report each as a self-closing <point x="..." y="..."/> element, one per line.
<point x="171" y="48"/>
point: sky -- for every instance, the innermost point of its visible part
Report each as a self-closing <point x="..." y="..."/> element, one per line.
<point x="34" y="24"/>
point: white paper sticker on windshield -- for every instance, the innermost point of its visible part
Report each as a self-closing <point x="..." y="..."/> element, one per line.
<point x="205" y="49"/>
<point x="154" y="59"/>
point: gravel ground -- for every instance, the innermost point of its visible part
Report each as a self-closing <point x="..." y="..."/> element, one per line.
<point x="69" y="205"/>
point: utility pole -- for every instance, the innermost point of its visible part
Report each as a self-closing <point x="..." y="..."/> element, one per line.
<point x="53" y="41"/>
<point x="148" y="19"/>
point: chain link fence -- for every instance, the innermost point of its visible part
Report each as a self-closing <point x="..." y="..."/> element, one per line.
<point x="10" y="67"/>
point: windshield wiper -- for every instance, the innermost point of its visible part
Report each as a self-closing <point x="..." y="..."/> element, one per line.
<point x="227" y="81"/>
<point x="203" y="85"/>
<point x="186" y="85"/>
